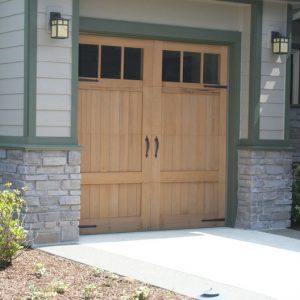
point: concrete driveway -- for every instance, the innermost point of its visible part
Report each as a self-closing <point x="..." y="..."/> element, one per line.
<point x="239" y="264"/>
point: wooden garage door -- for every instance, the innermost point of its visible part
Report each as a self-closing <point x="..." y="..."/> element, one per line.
<point x="152" y="125"/>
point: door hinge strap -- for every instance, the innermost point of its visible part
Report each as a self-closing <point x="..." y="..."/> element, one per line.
<point x="214" y="220"/>
<point x="87" y="226"/>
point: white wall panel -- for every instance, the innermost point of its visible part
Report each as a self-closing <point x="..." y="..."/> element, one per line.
<point x="11" y="67"/>
<point x="273" y="68"/>
<point x="54" y="75"/>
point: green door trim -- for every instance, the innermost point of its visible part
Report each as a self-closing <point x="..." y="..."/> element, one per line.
<point x="192" y="35"/>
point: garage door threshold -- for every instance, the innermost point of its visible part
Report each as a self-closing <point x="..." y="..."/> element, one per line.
<point x="239" y="264"/>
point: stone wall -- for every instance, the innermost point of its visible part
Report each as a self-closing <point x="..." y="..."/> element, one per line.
<point x="264" y="189"/>
<point x="295" y="132"/>
<point x="52" y="179"/>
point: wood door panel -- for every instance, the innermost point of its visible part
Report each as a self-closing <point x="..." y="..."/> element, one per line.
<point x="190" y="132"/>
<point x="111" y="201"/>
<point x="193" y="151"/>
<point x="198" y="201"/>
<point x="111" y="130"/>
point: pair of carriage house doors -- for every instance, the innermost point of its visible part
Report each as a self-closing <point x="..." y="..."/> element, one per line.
<point x="152" y="125"/>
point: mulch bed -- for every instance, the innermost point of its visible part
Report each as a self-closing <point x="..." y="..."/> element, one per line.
<point x="20" y="281"/>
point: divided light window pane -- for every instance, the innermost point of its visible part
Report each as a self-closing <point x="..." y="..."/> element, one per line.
<point x="133" y="63"/>
<point x="111" y="62"/>
<point x="191" y="67"/>
<point x="171" y="66"/>
<point x="211" y="68"/>
<point x="88" y="60"/>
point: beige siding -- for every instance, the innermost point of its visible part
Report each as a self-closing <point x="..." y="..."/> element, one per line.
<point x="201" y="14"/>
<point x="54" y="76"/>
<point x="272" y="99"/>
<point x="11" y="67"/>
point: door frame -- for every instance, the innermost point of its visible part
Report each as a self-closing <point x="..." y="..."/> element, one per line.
<point x="232" y="39"/>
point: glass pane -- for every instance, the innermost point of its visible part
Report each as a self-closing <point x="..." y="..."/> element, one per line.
<point x="191" y="67"/>
<point x="88" y="61"/>
<point x="211" y="68"/>
<point x="111" y="62"/>
<point x="171" y="66"/>
<point x="133" y="63"/>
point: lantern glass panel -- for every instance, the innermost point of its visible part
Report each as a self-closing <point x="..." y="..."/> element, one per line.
<point x="275" y="46"/>
<point x="62" y="31"/>
<point x="284" y="46"/>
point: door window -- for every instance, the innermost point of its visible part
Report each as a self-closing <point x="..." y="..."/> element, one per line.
<point x="187" y="67"/>
<point x="116" y="62"/>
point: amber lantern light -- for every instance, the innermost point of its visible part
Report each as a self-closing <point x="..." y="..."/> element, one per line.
<point x="280" y="44"/>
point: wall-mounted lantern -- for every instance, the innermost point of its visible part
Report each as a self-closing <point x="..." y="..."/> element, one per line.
<point x="59" y="26"/>
<point x="280" y="44"/>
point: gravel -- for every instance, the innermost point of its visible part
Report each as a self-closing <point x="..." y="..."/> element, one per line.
<point x="35" y="274"/>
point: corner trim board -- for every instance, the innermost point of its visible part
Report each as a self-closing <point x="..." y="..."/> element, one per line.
<point x="30" y="62"/>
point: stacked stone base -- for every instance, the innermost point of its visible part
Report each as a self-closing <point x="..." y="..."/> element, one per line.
<point x="264" y="189"/>
<point x="52" y="179"/>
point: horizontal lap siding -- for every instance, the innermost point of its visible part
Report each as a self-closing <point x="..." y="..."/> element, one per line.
<point x="54" y="76"/>
<point x="272" y="98"/>
<point x="11" y="67"/>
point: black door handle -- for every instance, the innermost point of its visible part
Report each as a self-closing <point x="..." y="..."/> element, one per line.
<point x="147" y="146"/>
<point x="156" y="146"/>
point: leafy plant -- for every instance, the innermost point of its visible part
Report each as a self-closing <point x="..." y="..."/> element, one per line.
<point x="59" y="287"/>
<point x="12" y="234"/>
<point x="38" y="294"/>
<point x="89" y="291"/>
<point x="141" y="293"/>
<point x="110" y="278"/>
<point x="39" y="269"/>
<point x="97" y="271"/>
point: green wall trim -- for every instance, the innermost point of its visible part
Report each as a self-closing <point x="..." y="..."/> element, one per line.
<point x="266" y="148"/>
<point x="288" y="76"/>
<point x="255" y="71"/>
<point x="156" y="31"/>
<point x="30" y="57"/>
<point x="192" y="35"/>
<point x="39" y="147"/>
<point x="14" y="140"/>
<point x="75" y="42"/>
<point x="264" y="143"/>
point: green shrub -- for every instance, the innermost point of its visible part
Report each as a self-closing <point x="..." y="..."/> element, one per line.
<point x="59" y="287"/>
<point x="141" y="293"/>
<point x="295" y="213"/>
<point x="90" y="291"/>
<point x="39" y="269"/>
<point x="12" y="234"/>
<point x="36" y="293"/>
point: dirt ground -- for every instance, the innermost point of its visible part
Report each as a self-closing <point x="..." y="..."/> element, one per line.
<point x="37" y="275"/>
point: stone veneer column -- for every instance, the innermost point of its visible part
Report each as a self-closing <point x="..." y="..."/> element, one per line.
<point x="295" y="132"/>
<point x="264" y="189"/>
<point x="53" y="191"/>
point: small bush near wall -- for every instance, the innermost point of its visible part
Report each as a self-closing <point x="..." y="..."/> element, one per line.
<point x="296" y="196"/>
<point x="12" y="234"/>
